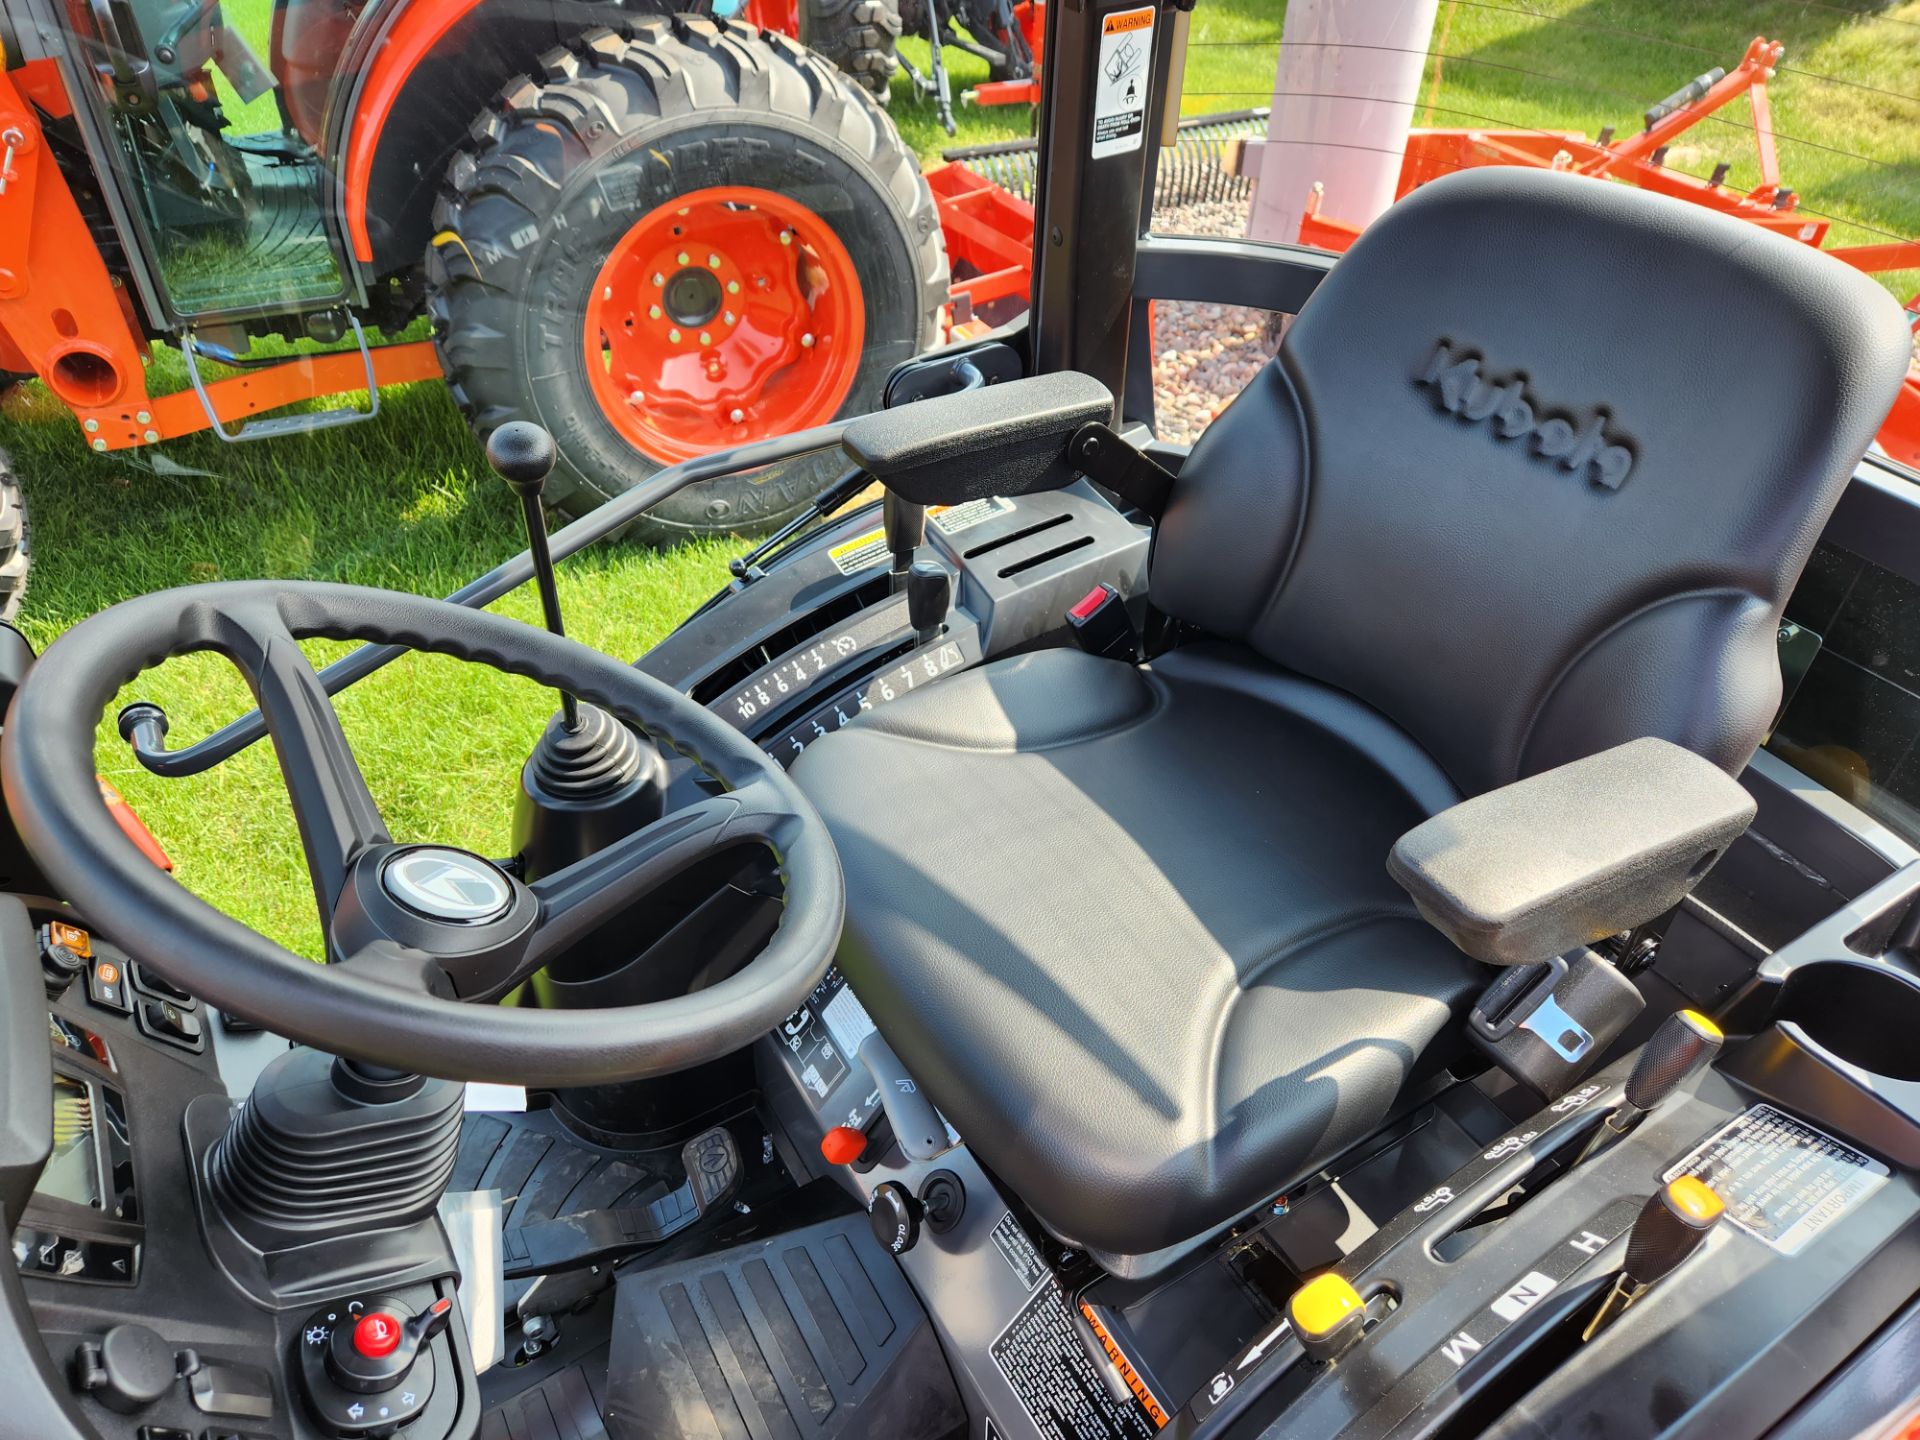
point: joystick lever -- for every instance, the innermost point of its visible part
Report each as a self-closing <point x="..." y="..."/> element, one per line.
<point x="523" y="454"/>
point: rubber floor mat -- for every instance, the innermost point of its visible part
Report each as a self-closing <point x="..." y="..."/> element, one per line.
<point x="814" y="1333"/>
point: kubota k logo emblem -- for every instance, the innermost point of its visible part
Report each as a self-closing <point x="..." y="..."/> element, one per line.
<point x="1461" y="387"/>
<point x="447" y="884"/>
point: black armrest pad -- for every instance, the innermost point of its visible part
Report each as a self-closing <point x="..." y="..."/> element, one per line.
<point x="1008" y="439"/>
<point x="1572" y="855"/>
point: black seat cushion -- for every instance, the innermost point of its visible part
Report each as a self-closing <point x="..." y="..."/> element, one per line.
<point x="1132" y="930"/>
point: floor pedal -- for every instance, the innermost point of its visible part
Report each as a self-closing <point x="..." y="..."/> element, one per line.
<point x="712" y="1163"/>
<point x="814" y="1333"/>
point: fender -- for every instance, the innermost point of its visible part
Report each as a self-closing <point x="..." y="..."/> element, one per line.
<point x="413" y="81"/>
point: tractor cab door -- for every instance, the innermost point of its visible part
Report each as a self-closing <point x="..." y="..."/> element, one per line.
<point x="224" y="196"/>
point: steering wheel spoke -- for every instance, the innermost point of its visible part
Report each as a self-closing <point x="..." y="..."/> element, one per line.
<point x="423" y="936"/>
<point x="335" y="811"/>
<point x="592" y="890"/>
<point x="410" y="971"/>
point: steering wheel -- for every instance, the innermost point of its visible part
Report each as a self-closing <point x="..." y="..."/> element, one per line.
<point x="412" y="931"/>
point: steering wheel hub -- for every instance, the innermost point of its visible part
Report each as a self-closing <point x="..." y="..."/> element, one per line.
<point x="448" y="885"/>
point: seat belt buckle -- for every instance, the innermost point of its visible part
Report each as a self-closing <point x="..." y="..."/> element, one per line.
<point x="1100" y="625"/>
<point x="1546" y="1024"/>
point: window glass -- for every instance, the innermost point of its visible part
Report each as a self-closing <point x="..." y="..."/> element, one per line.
<point x="1851" y="655"/>
<point x="1804" y="119"/>
<point x="660" y="243"/>
<point x="1203" y="356"/>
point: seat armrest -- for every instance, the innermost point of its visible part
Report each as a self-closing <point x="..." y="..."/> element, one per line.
<point x="1007" y="439"/>
<point x="1572" y="855"/>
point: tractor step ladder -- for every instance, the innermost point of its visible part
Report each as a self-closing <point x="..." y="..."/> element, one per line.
<point x="304" y="423"/>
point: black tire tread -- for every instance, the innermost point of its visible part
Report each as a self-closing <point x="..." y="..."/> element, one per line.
<point x="862" y="37"/>
<point x="16" y="551"/>
<point x="681" y="65"/>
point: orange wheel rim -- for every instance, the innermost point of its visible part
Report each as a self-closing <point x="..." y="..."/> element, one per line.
<point x="726" y="315"/>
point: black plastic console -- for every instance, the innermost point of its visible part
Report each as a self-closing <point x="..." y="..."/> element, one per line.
<point x="823" y="635"/>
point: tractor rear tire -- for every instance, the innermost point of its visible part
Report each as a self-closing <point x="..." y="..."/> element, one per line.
<point x="15" y="555"/>
<point x="860" y="36"/>
<point x="566" y="168"/>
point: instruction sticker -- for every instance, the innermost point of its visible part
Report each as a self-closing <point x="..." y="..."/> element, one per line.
<point x="1120" y="90"/>
<point x="1017" y="1250"/>
<point x="1783" y="1180"/>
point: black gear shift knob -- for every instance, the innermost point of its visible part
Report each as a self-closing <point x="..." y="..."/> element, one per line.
<point x="522" y="454"/>
<point x="929" y="595"/>
<point x="1685" y="1041"/>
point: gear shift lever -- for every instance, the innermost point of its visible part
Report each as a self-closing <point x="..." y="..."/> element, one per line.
<point x="929" y="595"/>
<point x="523" y="454"/>
<point x="590" y="779"/>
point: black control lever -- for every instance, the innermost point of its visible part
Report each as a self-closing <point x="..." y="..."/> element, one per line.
<point x="1685" y="1041"/>
<point x="929" y="596"/>
<point x="523" y="454"/>
<point x="906" y="526"/>
<point x="1672" y="1225"/>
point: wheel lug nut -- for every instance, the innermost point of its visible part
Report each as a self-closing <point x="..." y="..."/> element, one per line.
<point x="706" y="338"/>
<point x="731" y="317"/>
<point x="786" y="237"/>
<point x="713" y="262"/>
<point x="674" y="336"/>
<point x="606" y="293"/>
<point x="738" y="416"/>
<point x="658" y="278"/>
<point x="806" y="341"/>
<point x="681" y="258"/>
<point x="653" y="312"/>
<point x="733" y="287"/>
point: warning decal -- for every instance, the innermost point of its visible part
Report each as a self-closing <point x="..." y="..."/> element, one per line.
<point x="1783" y="1180"/>
<point x="1120" y="89"/>
<point x="1042" y="1359"/>
<point x="853" y="556"/>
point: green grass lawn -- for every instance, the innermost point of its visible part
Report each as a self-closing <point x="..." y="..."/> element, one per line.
<point x="406" y="502"/>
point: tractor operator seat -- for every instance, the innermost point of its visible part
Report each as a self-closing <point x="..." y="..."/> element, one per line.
<point x="1532" y="476"/>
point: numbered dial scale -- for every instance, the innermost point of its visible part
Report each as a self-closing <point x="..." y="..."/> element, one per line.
<point x="880" y="660"/>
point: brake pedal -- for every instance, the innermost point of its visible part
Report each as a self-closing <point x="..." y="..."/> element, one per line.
<point x="712" y="1162"/>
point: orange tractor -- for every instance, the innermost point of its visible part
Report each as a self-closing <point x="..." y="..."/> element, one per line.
<point x="653" y="234"/>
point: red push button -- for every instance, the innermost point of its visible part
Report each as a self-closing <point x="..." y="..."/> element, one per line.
<point x="843" y="1145"/>
<point x="1089" y="603"/>
<point x="377" y="1335"/>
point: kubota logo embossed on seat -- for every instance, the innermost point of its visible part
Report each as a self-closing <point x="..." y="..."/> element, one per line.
<point x="1461" y="387"/>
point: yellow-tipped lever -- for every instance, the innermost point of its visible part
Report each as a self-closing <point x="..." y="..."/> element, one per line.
<point x="1672" y="1225"/>
<point x="1327" y="1315"/>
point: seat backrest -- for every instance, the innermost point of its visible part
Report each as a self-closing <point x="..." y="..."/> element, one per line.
<point x="1536" y="468"/>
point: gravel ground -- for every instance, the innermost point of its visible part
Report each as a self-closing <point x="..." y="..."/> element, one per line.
<point x="1204" y="355"/>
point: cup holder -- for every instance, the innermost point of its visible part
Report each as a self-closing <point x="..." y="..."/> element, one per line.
<point x="1864" y="1014"/>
